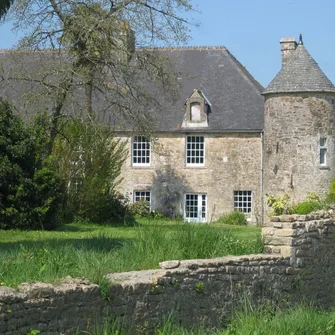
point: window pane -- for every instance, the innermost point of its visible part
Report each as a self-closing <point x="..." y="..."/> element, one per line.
<point x="195" y="112"/>
<point x="323" y="153"/>
<point x="195" y="152"/>
<point x="141" y="150"/>
<point x="243" y="201"/>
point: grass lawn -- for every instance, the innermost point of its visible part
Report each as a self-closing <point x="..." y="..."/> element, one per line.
<point x="91" y="251"/>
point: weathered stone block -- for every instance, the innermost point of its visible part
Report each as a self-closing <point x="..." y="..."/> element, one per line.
<point x="169" y="264"/>
<point x="274" y="240"/>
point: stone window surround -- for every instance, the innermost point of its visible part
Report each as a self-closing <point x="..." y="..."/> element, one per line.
<point x="142" y="195"/>
<point x="243" y="200"/>
<point x="193" y="101"/>
<point x="142" y="144"/>
<point x="202" y="151"/>
<point x="323" y="150"/>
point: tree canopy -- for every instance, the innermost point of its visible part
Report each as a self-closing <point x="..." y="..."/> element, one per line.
<point x="90" y="57"/>
<point x="4" y="7"/>
<point x="30" y="188"/>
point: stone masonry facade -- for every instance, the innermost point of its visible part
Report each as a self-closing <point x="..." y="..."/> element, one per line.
<point x="298" y="265"/>
<point x="232" y="163"/>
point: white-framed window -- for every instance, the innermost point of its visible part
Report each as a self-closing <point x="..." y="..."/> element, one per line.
<point x="243" y="201"/>
<point x="195" y="207"/>
<point x="144" y="196"/>
<point x="141" y="151"/>
<point x="195" y="150"/>
<point x="323" y="151"/>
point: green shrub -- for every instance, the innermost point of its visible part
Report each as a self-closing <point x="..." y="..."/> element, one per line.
<point x="330" y="198"/>
<point x="30" y="187"/>
<point x="280" y="205"/>
<point x="90" y="160"/>
<point x="235" y="218"/>
<point x="306" y="207"/>
<point x="140" y="208"/>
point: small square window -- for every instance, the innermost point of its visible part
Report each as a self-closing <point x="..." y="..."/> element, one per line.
<point x="143" y="196"/>
<point x="243" y="201"/>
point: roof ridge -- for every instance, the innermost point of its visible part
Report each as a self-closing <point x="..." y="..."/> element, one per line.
<point x="245" y="72"/>
<point x="195" y="47"/>
<point x="170" y="48"/>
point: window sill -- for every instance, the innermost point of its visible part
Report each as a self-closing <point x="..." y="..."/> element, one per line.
<point x="324" y="167"/>
<point x="195" y="167"/>
<point x="149" y="167"/>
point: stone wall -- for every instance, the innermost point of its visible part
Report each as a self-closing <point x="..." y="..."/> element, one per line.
<point x="299" y="264"/>
<point x="232" y="163"/>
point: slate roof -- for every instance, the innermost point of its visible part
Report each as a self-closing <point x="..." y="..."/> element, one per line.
<point x="300" y="74"/>
<point x="235" y="96"/>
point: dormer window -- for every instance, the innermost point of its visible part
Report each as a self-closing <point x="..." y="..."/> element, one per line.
<point x="197" y="110"/>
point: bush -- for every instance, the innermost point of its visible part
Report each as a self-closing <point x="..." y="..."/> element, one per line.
<point x="90" y="160"/>
<point x="140" y="208"/>
<point x="30" y="188"/>
<point x="330" y="198"/>
<point x="280" y="205"/>
<point x="235" y="218"/>
<point x="306" y="207"/>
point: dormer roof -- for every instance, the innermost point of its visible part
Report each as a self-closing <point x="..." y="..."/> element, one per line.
<point x="201" y="94"/>
<point x="301" y="73"/>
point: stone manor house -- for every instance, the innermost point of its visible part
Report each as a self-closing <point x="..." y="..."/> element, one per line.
<point x="232" y="142"/>
<point x="228" y="142"/>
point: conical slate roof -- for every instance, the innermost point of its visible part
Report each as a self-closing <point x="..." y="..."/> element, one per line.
<point x="301" y="73"/>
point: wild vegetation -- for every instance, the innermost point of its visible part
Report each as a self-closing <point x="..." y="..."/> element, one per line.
<point x="300" y="320"/>
<point x="313" y="202"/>
<point x="235" y="218"/>
<point x="92" y="251"/>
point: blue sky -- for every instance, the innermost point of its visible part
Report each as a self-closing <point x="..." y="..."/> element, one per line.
<point x="251" y="30"/>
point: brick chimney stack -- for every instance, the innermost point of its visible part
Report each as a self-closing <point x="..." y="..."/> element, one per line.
<point x="287" y="47"/>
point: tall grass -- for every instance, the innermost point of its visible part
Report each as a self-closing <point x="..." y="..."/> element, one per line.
<point x="301" y="320"/>
<point x="95" y="256"/>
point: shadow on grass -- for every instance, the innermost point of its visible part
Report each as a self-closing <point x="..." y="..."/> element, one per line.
<point x="74" y="229"/>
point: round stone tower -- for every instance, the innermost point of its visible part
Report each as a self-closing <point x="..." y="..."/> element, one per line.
<point x="299" y="137"/>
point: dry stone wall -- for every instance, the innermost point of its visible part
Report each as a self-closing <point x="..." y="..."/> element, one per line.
<point x="298" y="264"/>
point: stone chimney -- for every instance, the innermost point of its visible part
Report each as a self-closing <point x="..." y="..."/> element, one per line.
<point x="126" y="41"/>
<point x="287" y="47"/>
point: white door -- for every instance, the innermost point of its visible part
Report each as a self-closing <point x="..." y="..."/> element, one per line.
<point x="195" y="207"/>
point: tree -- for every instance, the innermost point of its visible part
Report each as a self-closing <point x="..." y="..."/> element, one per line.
<point x="30" y="189"/>
<point x="77" y="58"/>
<point x="4" y="7"/>
<point x="92" y="44"/>
<point x="90" y="164"/>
